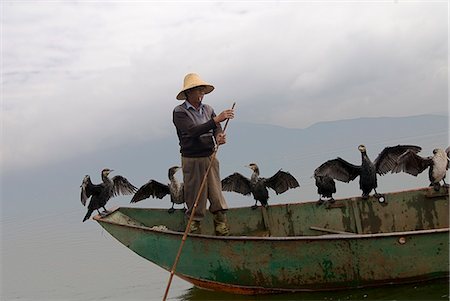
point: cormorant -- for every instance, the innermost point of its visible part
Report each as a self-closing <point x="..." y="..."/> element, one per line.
<point x="257" y="186"/>
<point x="414" y="164"/>
<point x="101" y="193"/>
<point x="325" y="187"/>
<point x="344" y="171"/>
<point x="156" y="189"/>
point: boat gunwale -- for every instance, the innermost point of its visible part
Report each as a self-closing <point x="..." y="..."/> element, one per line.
<point x="100" y="219"/>
<point x="353" y="198"/>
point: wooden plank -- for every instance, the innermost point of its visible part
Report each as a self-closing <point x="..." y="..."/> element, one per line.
<point x="330" y="230"/>
<point x="266" y="220"/>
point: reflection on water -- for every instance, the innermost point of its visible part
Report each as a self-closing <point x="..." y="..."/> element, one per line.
<point x="432" y="290"/>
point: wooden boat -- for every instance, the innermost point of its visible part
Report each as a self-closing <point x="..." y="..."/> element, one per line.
<point x="302" y="246"/>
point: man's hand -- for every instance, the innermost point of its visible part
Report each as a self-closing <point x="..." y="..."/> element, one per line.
<point x="224" y="115"/>
<point x="221" y="138"/>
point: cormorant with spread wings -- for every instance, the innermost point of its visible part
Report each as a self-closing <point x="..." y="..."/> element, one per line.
<point x="280" y="182"/>
<point x="156" y="189"/>
<point x="438" y="164"/>
<point x="101" y="193"/>
<point x="341" y="170"/>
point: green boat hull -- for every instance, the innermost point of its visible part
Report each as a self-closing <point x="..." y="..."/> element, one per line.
<point x="299" y="247"/>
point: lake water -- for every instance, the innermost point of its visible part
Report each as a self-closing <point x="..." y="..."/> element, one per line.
<point x="56" y="257"/>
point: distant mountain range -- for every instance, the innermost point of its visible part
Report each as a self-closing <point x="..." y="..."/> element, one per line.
<point x="299" y="151"/>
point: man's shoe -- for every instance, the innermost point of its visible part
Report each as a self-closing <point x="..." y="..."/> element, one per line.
<point x="195" y="227"/>
<point x="220" y="224"/>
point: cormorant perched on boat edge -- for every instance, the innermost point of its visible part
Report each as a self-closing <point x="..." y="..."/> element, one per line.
<point x="344" y="171"/>
<point x="280" y="182"/>
<point x="438" y="164"/>
<point x="156" y="189"/>
<point x="325" y="187"/>
<point x="101" y="193"/>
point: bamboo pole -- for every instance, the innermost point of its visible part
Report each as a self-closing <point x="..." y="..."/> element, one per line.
<point x="191" y="217"/>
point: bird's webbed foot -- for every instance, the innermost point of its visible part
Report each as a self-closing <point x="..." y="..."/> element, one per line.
<point x="104" y="213"/>
<point x="325" y="200"/>
<point x="436" y="186"/>
<point x="320" y="202"/>
<point x="254" y="207"/>
<point x="171" y="210"/>
<point x="381" y="198"/>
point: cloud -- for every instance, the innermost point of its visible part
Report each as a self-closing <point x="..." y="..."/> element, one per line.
<point x="82" y="76"/>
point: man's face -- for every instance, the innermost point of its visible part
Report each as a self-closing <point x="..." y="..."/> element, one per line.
<point x="196" y="94"/>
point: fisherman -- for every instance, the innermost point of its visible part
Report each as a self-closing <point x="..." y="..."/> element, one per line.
<point x="199" y="132"/>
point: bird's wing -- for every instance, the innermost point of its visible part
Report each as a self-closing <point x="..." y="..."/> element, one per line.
<point x="412" y="163"/>
<point x="84" y="193"/>
<point x="338" y="169"/>
<point x="237" y="183"/>
<point x="151" y="189"/>
<point x="281" y="181"/>
<point x="122" y="186"/>
<point x="447" y="151"/>
<point x="387" y="159"/>
<point x="88" y="189"/>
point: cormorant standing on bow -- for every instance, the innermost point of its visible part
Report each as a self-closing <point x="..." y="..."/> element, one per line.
<point x="101" y="193"/>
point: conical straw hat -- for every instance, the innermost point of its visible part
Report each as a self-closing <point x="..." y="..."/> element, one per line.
<point x="192" y="80"/>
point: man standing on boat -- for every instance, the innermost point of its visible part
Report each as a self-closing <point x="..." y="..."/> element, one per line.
<point x="199" y="131"/>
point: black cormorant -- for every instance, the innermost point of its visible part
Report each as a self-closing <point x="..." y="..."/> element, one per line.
<point x="410" y="162"/>
<point x="325" y="187"/>
<point x="344" y="171"/>
<point x="280" y="182"/>
<point x="101" y="193"/>
<point x="156" y="189"/>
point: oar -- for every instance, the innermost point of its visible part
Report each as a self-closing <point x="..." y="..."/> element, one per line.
<point x="191" y="217"/>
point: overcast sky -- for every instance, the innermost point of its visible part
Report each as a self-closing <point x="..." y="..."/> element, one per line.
<point x="84" y="75"/>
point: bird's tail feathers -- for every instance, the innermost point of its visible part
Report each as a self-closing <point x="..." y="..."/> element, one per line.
<point x="88" y="215"/>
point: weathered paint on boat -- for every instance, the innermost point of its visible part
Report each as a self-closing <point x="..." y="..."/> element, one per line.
<point x="289" y="248"/>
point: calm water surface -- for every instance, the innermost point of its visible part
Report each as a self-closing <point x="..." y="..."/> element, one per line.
<point x="56" y="257"/>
